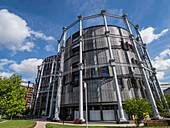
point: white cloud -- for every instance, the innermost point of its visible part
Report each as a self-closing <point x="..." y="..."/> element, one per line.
<point x="14" y="31"/>
<point x="28" y="47"/>
<point x="160" y="75"/>
<point x="148" y="34"/>
<point x="4" y="62"/>
<point x="28" y="66"/>
<point x="41" y="35"/>
<point x="162" y="63"/>
<point x="6" y="74"/>
<point x="49" y="48"/>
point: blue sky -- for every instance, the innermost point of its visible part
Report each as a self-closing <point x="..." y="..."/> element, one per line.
<point x="29" y="29"/>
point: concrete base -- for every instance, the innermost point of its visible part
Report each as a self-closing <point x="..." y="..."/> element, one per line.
<point x="56" y="119"/>
<point x="123" y="121"/>
<point x="83" y="120"/>
<point x="158" y="117"/>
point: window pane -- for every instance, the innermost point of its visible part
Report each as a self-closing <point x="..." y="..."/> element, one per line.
<point x="105" y="71"/>
<point x="120" y="83"/>
<point x="93" y="73"/>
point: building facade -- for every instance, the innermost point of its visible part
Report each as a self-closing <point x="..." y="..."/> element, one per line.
<point x="164" y="86"/>
<point x="113" y="63"/>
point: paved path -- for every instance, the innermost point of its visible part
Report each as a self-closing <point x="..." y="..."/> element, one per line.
<point x="3" y="121"/>
<point x="42" y="124"/>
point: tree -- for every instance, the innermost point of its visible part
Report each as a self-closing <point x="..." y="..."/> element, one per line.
<point x="162" y="106"/>
<point x="168" y="99"/>
<point x="137" y="107"/>
<point x="12" y="96"/>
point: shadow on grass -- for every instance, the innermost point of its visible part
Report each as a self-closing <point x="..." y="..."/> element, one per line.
<point x="49" y="125"/>
<point x="18" y="123"/>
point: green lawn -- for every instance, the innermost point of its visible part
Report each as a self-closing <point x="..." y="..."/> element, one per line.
<point x="17" y="124"/>
<point x="73" y="126"/>
<point x="2" y="120"/>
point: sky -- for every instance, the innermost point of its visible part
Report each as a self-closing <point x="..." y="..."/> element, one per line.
<point x="29" y="30"/>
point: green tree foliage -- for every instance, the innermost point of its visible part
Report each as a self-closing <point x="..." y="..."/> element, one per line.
<point x="162" y="106"/>
<point x="12" y="96"/>
<point x="137" y="107"/>
<point x="168" y="99"/>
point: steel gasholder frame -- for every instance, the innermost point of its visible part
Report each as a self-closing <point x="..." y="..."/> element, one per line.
<point x="137" y="43"/>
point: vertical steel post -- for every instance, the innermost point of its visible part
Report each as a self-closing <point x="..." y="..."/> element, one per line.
<point x="32" y="97"/>
<point x="85" y="87"/>
<point x="80" y="73"/>
<point x="54" y="79"/>
<point x="58" y="96"/>
<point x="42" y="71"/>
<point x="48" y="94"/>
<point x="143" y="49"/>
<point x="152" y="100"/>
<point x="153" y="69"/>
<point x="59" y="43"/>
<point x="52" y="95"/>
<point x="112" y="64"/>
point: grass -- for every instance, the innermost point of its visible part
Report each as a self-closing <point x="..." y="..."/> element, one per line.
<point x="74" y="126"/>
<point x="17" y="124"/>
<point x="2" y="120"/>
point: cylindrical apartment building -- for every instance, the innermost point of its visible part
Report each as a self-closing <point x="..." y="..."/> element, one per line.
<point x="113" y="63"/>
<point x="97" y="72"/>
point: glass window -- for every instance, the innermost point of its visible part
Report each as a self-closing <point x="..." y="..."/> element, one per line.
<point x="75" y="37"/>
<point x="71" y="88"/>
<point x="105" y="72"/>
<point x="75" y="65"/>
<point x="133" y="81"/>
<point x="93" y="73"/>
<point x="120" y="83"/>
<point x="75" y="77"/>
<point x="75" y="50"/>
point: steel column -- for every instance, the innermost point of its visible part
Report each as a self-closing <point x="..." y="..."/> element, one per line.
<point x="52" y="95"/>
<point x="154" y="70"/>
<point x="32" y="97"/>
<point x="112" y="61"/>
<point x="60" y="76"/>
<point x="48" y="94"/>
<point x="54" y="79"/>
<point x="42" y="70"/>
<point x="152" y="100"/>
<point x="59" y="43"/>
<point x="80" y="73"/>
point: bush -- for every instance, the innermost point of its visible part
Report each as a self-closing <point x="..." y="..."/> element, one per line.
<point x="137" y="107"/>
<point x="165" y="114"/>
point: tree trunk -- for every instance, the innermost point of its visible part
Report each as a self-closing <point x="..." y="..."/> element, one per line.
<point x="11" y="117"/>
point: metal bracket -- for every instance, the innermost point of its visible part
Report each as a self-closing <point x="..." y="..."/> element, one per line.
<point x="81" y="66"/>
<point x="124" y="15"/>
<point x="80" y="38"/>
<point x="62" y="48"/>
<point x="80" y="17"/>
<point x="154" y="71"/>
<point x="144" y="46"/>
<point x="103" y="12"/>
<point x="112" y="62"/>
<point x="137" y="26"/>
<point x="64" y="28"/>
<point x="59" y="73"/>
<point x="131" y="36"/>
<point x="107" y="33"/>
